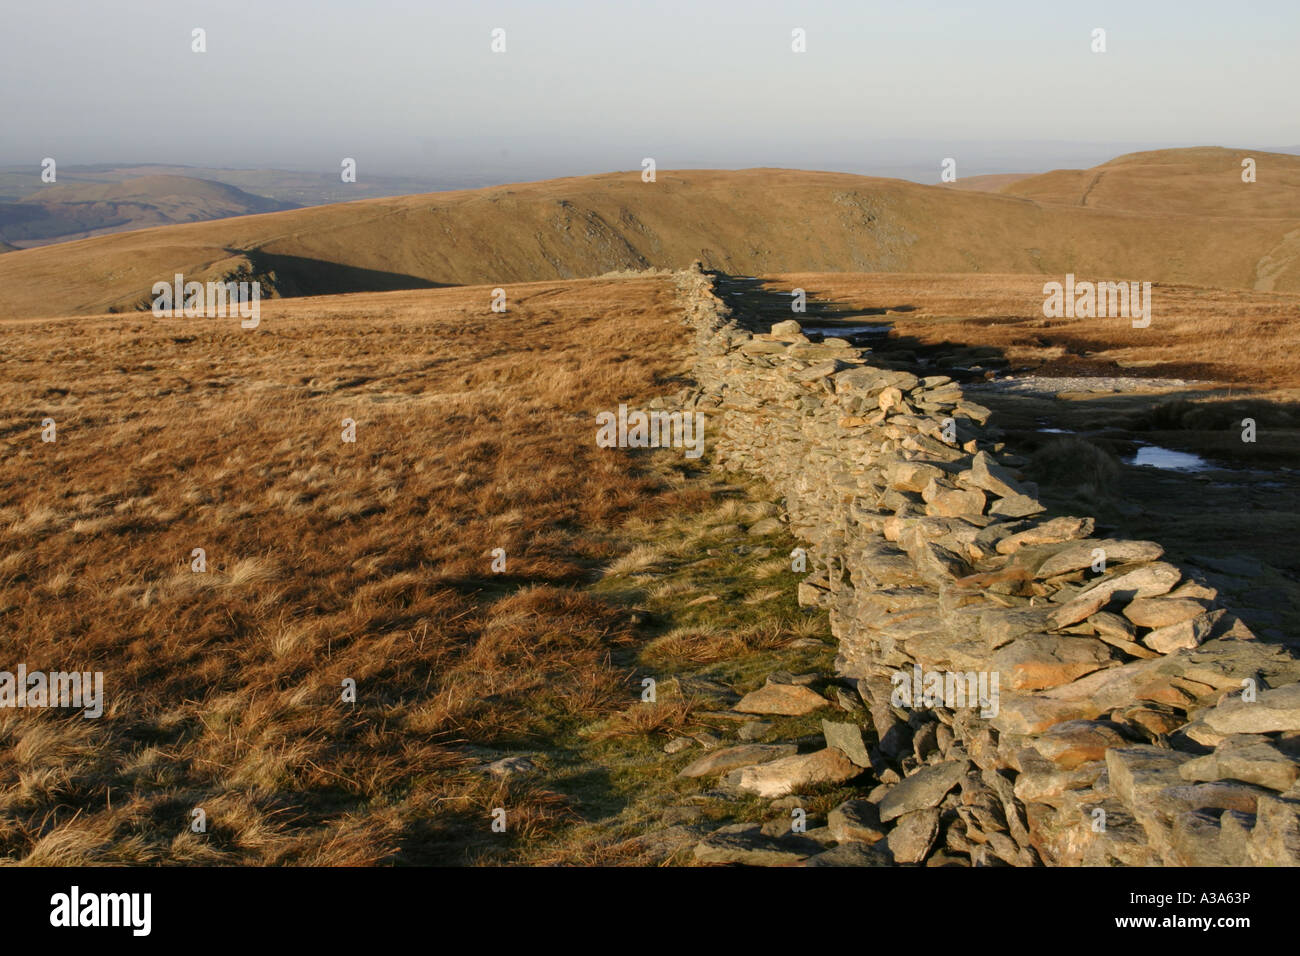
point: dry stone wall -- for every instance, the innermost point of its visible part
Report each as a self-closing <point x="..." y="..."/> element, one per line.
<point x="1120" y="715"/>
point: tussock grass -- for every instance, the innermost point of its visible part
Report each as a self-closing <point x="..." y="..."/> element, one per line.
<point x="1074" y="464"/>
<point x="326" y="561"/>
<point x="1223" y="415"/>
<point x="710" y="643"/>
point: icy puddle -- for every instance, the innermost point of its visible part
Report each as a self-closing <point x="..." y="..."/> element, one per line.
<point x="1153" y="456"/>
<point x="843" y="331"/>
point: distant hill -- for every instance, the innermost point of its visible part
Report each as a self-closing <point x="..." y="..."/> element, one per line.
<point x="62" y="211"/>
<point x="293" y="187"/>
<point x="1205" y="181"/>
<point x="1174" y="216"/>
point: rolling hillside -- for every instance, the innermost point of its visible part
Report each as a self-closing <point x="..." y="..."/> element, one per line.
<point x="63" y="211"/>
<point x="743" y="222"/>
<point x="1197" y="182"/>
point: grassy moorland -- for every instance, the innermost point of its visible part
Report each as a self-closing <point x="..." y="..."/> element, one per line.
<point x="326" y="561"/>
<point x="1229" y="337"/>
<point x="1141" y="220"/>
<point x="332" y="562"/>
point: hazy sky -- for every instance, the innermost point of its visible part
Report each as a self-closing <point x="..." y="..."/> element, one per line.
<point x="413" y="87"/>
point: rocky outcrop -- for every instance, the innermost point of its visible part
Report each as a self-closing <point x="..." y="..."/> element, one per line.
<point x="1033" y="693"/>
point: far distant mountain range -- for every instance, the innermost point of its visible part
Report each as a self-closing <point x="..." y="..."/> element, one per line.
<point x="89" y="201"/>
<point x="64" y="211"/>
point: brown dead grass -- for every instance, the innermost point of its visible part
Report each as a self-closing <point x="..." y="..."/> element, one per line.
<point x="1235" y="337"/>
<point x="1198" y="181"/>
<point x="326" y="561"/>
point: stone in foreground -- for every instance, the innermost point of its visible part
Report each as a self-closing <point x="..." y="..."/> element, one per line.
<point x="745" y="843"/>
<point x="785" y="700"/>
<point x="923" y="789"/>
<point x="732" y="758"/>
<point x="914" y="835"/>
<point x="852" y="854"/>
<point x="1273" y="710"/>
<point x="790" y="774"/>
<point x="848" y="739"/>
<point x="856" y="821"/>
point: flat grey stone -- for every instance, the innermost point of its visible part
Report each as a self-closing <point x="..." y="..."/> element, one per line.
<point x="856" y="821"/>
<point x="790" y="774"/>
<point x="1016" y="506"/>
<point x="1272" y="711"/>
<point x="853" y="854"/>
<point x="923" y="789"/>
<point x="730" y="758"/>
<point x="913" y="836"/>
<point x="848" y="739"/>
<point x="746" y="844"/>
<point x="509" y="766"/>
<point x="1081" y="555"/>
